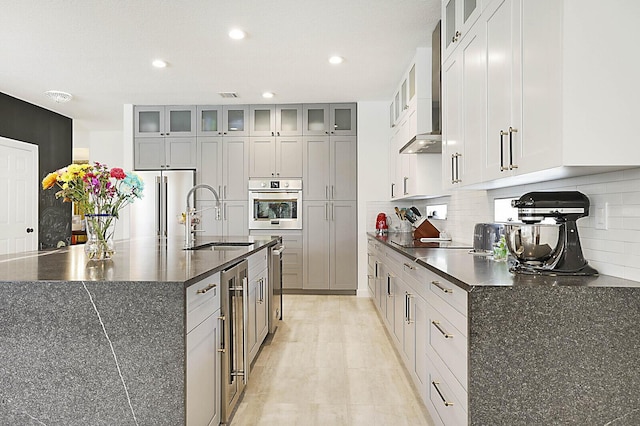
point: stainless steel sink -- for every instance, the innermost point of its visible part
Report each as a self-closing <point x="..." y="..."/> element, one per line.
<point x="221" y="245"/>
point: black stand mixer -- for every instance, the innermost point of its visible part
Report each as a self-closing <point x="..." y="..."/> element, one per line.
<point x="549" y="249"/>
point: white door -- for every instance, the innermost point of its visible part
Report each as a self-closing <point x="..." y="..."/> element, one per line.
<point x="18" y="185"/>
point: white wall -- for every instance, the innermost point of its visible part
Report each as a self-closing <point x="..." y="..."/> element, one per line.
<point x="373" y="173"/>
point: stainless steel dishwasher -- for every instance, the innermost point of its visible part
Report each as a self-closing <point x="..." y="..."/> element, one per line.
<point x="275" y="286"/>
<point x="234" y="283"/>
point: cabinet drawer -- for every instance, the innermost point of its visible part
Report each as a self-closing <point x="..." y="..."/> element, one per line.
<point x="395" y="261"/>
<point x="257" y="262"/>
<point x="206" y="290"/>
<point x="449" y="344"/>
<point x="446" y="395"/>
<point x="291" y="258"/>
<point x="293" y="241"/>
<point x="449" y="292"/>
<point x="209" y="303"/>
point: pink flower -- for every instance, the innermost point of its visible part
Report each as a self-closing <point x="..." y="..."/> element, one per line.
<point x="118" y="173"/>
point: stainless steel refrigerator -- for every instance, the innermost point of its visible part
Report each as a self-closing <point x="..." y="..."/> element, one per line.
<point x="164" y="199"/>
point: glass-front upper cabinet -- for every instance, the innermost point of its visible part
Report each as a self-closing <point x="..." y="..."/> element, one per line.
<point x="235" y="120"/>
<point x="158" y="121"/>
<point x="412" y="82"/>
<point x="289" y="120"/>
<point x="404" y="95"/>
<point x="209" y="120"/>
<point x="459" y="17"/>
<point x="343" y="119"/>
<point x="315" y="119"/>
<point x="262" y="121"/>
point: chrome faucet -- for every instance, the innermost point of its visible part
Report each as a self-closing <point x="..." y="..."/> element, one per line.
<point x="189" y="229"/>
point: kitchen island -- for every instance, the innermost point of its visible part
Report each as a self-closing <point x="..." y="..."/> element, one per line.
<point x="101" y="343"/>
<point x="493" y="347"/>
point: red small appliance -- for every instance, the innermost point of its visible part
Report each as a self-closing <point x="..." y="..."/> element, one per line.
<point x="382" y="227"/>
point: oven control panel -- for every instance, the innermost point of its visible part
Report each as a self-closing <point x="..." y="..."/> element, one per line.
<point x="275" y="185"/>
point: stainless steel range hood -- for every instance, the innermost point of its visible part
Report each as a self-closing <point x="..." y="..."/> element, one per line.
<point x="430" y="143"/>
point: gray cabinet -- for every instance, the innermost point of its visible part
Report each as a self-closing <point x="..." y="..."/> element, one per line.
<point x="279" y="157"/>
<point x="223" y="164"/>
<point x="235" y="120"/>
<point x="235" y="168"/>
<point x="275" y="120"/>
<point x="209" y="120"/>
<point x="160" y="121"/>
<point x="329" y="168"/>
<point x="329" y="119"/>
<point x="203" y="377"/>
<point x="257" y="304"/>
<point x="289" y="120"/>
<point x="164" y="137"/>
<point x="330" y="248"/>
<point x="164" y="153"/>
<point x="291" y="257"/>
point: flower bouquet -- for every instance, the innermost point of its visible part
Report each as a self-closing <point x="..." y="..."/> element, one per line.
<point x="100" y="193"/>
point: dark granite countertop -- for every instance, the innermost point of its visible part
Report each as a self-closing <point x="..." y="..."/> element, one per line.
<point x="469" y="271"/>
<point x="140" y="259"/>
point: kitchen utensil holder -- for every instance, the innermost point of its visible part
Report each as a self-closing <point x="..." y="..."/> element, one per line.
<point x="426" y="230"/>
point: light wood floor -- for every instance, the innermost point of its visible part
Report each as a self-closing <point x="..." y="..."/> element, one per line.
<point x="329" y="363"/>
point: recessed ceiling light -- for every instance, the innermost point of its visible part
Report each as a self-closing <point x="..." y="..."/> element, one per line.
<point x="267" y="95"/>
<point x="58" y="96"/>
<point x="335" y="60"/>
<point x="237" y="34"/>
<point x="159" y="63"/>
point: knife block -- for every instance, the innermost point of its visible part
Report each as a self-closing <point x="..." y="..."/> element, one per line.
<point x="426" y="230"/>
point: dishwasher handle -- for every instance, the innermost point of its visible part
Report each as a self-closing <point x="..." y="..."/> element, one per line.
<point x="278" y="250"/>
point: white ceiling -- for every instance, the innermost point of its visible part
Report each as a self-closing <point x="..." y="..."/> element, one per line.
<point x="101" y="51"/>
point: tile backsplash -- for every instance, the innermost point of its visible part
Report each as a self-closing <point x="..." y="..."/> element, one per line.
<point x="613" y="251"/>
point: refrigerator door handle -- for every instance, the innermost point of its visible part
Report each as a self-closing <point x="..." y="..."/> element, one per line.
<point x="165" y="207"/>
<point x="158" y="204"/>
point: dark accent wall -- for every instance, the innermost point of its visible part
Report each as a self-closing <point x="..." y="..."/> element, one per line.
<point x="53" y="133"/>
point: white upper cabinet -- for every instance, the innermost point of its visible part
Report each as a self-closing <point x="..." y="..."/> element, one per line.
<point x="209" y="120"/>
<point x="523" y="98"/>
<point x="235" y="120"/>
<point x="162" y="121"/>
<point x="458" y="17"/>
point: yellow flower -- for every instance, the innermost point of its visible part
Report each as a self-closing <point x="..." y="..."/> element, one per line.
<point x="50" y="180"/>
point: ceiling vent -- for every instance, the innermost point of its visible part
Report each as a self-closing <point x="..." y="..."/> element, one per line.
<point x="228" y="94"/>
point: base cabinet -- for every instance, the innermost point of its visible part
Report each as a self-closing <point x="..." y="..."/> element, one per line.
<point x="426" y="317"/>
<point x="203" y="380"/>
<point x="257" y="306"/>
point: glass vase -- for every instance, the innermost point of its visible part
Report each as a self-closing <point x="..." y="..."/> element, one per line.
<point x="100" y="232"/>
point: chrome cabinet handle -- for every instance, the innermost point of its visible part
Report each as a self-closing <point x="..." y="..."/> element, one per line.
<point x="511" y="132"/>
<point x="222" y="342"/>
<point x="441" y="330"/>
<point x="404" y="185"/>
<point x="206" y="289"/>
<point x="407" y="307"/>
<point x="393" y="185"/>
<point x="453" y="160"/>
<point x="444" y="400"/>
<point x="437" y="284"/>
<point x="502" y="167"/>
<point x="376" y="273"/>
<point x="326" y="192"/>
<point x="409" y="266"/>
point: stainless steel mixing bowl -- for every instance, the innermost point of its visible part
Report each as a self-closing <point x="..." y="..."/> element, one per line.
<point x="531" y="242"/>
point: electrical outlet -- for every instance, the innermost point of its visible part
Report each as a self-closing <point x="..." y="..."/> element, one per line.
<point x="602" y="216"/>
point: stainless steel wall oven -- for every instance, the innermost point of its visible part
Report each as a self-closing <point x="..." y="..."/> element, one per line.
<point x="275" y="204"/>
